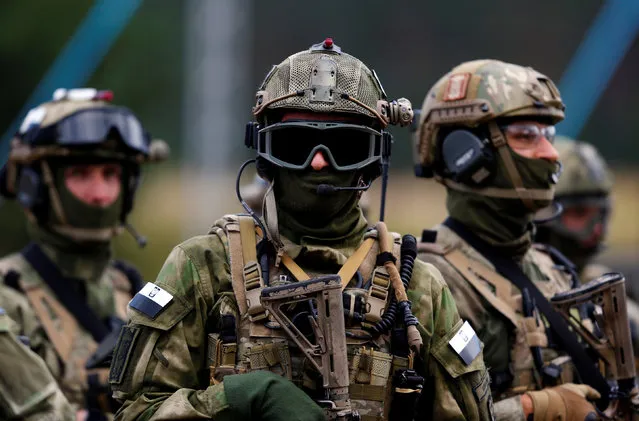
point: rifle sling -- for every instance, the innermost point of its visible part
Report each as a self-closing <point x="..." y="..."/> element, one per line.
<point x="71" y="300"/>
<point x="566" y="337"/>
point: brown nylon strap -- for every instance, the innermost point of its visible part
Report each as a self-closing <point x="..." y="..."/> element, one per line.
<point x="497" y="137"/>
<point x="247" y="238"/>
<point x="347" y="271"/>
<point x="294" y="268"/>
<point x="469" y="271"/>
<point x="237" y="269"/>
<point x="62" y="328"/>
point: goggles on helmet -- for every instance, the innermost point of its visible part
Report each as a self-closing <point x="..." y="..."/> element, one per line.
<point x="92" y="126"/>
<point x="528" y="135"/>
<point x="345" y="146"/>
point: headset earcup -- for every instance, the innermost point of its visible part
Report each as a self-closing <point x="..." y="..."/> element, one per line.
<point x="466" y="158"/>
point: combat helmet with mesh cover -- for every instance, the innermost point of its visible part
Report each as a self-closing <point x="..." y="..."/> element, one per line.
<point x="478" y="94"/>
<point x="77" y="126"/>
<point x="324" y="79"/>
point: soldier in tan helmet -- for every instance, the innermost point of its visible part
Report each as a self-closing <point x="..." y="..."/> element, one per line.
<point x="74" y="167"/>
<point x="303" y="314"/>
<point x="579" y="232"/>
<point x="583" y="191"/>
<point x="486" y="132"/>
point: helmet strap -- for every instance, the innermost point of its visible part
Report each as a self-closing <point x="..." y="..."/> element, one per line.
<point x="54" y="197"/>
<point x="499" y="142"/>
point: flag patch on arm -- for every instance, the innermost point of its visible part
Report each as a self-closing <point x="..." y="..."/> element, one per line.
<point x="151" y="300"/>
<point x="466" y="343"/>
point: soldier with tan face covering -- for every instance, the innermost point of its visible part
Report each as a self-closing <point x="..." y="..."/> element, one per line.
<point x="486" y="132"/>
<point x="74" y="167"/>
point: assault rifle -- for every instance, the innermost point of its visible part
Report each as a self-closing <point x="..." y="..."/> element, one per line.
<point x="327" y="352"/>
<point x="610" y="340"/>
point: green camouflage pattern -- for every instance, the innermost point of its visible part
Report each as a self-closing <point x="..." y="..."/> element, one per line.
<point x="505" y="348"/>
<point x="166" y="379"/>
<point x="497" y="90"/>
<point x="585" y="172"/>
<point x="99" y="280"/>
<point x="303" y="72"/>
<point x="28" y="392"/>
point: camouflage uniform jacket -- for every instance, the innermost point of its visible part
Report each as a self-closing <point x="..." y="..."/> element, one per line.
<point x="160" y="368"/>
<point x="28" y="392"/>
<point x="105" y="296"/>
<point x="506" y="347"/>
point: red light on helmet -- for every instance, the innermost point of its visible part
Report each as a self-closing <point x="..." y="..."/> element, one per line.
<point x="104" y="96"/>
<point x="328" y="43"/>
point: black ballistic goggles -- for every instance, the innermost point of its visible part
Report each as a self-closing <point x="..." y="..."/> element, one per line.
<point x="92" y="126"/>
<point x="345" y="146"/>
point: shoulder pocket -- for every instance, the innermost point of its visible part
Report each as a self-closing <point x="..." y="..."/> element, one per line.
<point x="174" y="311"/>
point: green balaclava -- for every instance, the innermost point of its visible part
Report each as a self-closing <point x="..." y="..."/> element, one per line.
<point x="303" y="213"/>
<point x="504" y="223"/>
<point x="77" y="259"/>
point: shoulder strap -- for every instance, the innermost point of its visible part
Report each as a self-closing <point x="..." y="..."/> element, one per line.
<point x="70" y="299"/>
<point x="563" y="334"/>
<point x="470" y="271"/>
<point x="246" y="273"/>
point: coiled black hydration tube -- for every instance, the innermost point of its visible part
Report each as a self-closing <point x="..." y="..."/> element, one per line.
<point x="408" y="254"/>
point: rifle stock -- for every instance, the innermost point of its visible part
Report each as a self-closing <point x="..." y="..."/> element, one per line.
<point x="328" y="352"/>
<point x="614" y="346"/>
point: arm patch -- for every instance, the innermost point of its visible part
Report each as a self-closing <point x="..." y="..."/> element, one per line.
<point x="151" y="300"/>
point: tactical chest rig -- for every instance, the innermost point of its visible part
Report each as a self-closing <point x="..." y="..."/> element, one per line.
<point x="534" y="360"/>
<point x="250" y="338"/>
<point x="79" y="338"/>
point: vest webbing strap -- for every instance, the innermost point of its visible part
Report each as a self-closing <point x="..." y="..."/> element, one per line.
<point x="469" y="270"/>
<point x="61" y="287"/>
<point x="247" y="237"/>
<point x="346" y="272"/>
<point x="565" y="337"/>
<point x="61" y="331"/>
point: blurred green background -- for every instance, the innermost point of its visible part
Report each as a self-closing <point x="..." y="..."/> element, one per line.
<point x="172" y="48"/>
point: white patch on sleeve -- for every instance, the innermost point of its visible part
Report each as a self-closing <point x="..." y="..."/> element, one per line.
<point x="155" y="293"/>
<point x="462" y="338"/>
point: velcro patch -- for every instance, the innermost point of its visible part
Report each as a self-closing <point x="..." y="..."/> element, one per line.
<point x="457" y="87"/>
<point x="122" y="352"/>
<point x="151" y="300"/>
<point x="466" y="343"/>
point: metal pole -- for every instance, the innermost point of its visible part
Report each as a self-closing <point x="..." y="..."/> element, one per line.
<point x="217" y="54"/>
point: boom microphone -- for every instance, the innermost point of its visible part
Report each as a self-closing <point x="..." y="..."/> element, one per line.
<point x="328" y="189"/>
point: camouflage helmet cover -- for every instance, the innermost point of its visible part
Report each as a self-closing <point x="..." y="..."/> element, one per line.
<point x="480" y="91"/>
<point x="585" y="173"/>
<point x="325" y="79"/>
